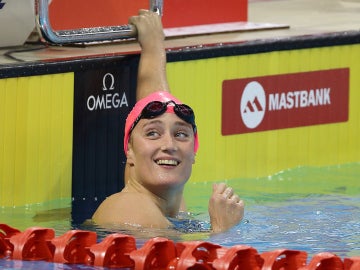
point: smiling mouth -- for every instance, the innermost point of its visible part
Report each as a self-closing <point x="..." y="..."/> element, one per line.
<point x="168" y="162"/>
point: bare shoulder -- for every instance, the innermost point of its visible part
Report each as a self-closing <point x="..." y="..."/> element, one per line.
<point x="130" y="209"/>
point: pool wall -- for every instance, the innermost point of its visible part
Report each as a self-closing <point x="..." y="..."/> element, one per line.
<point x="252" y="153"/>
<point x="61" y="125"/>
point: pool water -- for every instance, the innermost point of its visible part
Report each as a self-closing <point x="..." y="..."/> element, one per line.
<point x="313" y="224"/>
<point x="310" y="209"/>
<point x="306" y="208"/>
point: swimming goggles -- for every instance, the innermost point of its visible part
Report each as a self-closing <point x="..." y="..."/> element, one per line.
<point x="156" y="108"/>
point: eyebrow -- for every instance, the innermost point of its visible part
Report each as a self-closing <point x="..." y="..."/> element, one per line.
<point x="179" y="122"/>
<point x="152" y="121"/>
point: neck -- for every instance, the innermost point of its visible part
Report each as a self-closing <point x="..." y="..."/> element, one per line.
<point x="168" y="201"/>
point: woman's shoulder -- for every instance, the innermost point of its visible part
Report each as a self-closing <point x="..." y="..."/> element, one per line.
<point x="130" y="208"/>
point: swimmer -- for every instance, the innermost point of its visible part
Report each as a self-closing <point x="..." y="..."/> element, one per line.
<point x="160" y="144"/>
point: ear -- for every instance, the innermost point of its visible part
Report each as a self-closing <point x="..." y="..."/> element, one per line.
<point x="130" y="154"/>
<point x="193" y="158"/>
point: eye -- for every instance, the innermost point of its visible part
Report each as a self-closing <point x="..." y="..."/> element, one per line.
<point x="182" y="134"/>
<point x="152" y="133"/>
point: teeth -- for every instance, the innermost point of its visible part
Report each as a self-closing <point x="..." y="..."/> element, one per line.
<point x="167" y="162"/>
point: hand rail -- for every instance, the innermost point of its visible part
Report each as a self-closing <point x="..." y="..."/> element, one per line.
<point x="84" y="35"/>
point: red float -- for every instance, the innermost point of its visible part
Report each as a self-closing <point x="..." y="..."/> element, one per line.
<point x="120" y="251"/>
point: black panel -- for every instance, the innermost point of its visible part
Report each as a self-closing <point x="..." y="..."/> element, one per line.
<point x="102" y="100"/>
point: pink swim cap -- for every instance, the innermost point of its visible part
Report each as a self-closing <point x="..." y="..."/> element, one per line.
<point x="162" y="96"/>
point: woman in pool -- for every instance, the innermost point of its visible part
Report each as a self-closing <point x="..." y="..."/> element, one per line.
<point x="160" y="143"/>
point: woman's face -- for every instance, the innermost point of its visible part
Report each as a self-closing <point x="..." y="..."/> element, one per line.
<point x="161" y="152"/>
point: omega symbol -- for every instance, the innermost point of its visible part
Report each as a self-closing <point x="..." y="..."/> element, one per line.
<point x="112" y="81"/>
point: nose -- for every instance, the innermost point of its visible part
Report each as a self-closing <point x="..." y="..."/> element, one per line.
<point x="169" y="143"/>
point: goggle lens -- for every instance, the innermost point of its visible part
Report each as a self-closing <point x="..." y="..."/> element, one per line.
<point x="156" y="108"/>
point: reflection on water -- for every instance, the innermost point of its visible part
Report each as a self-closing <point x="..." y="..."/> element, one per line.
<point x="310" y="209"/>
<point x="316" y="223"/>
<point x="52" y="215"/>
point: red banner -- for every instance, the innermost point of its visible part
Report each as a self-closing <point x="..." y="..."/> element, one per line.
<point x="70" y="14"/>
<point x="285" y="101"/>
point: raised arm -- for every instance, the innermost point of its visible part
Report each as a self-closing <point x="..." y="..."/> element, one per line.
<point x="152" y="66"/>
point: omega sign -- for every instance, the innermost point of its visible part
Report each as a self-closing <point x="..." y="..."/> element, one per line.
<point x="109" y="99"/>
<point x="285" y="101"/>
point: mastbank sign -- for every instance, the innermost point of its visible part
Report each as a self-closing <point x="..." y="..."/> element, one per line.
<point x="285" y="101"/>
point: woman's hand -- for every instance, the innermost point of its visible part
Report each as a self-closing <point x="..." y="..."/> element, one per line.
<point x="149" y="29"/>
<point x="226" y="209"/>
